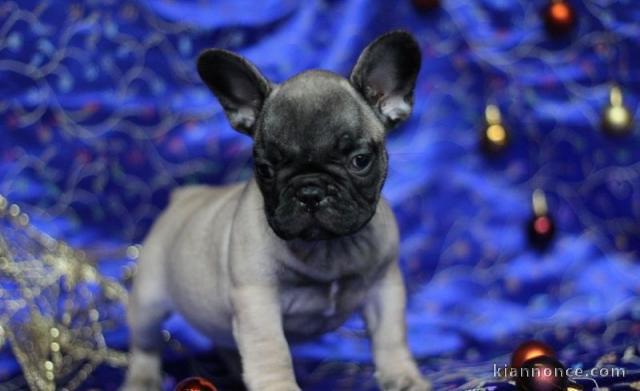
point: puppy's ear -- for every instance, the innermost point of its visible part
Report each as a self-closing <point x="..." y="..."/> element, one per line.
<point x="385" y="75"/>
<point x="238" y="85"/>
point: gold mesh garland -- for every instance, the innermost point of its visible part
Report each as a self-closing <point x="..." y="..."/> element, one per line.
<point x="55" y="306"/>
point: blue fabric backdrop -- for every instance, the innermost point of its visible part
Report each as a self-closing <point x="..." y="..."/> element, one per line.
<point x="102" y="114"/>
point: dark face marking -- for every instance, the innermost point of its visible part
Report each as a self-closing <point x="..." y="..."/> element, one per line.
<point x="320" y="158"/>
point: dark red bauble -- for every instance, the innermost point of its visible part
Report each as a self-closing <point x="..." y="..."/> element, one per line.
<point x="542" y="373"/>
<point x="529" y="350"/>
<point x="541" y="231"/>
<point x="559" y="17"/>
<point x="426" y="5"/>
<point x="195" y="384"/>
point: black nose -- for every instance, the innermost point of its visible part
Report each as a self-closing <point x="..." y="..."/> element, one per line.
<point x="310" y="195"/>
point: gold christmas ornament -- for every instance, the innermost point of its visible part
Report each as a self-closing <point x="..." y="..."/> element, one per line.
<point x="573" y="386"/>
<point x="56" y="306"/>
<point x="494" y="136"/>
<point x="617" y="120"/>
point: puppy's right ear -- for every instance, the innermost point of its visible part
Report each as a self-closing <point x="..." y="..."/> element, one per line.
<point x="238" y="85"/>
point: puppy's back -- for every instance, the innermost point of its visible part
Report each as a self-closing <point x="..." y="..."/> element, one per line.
<point x="187" y="206"/>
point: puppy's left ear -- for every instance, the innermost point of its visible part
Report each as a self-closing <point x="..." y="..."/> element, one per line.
<point x="386" y="73"/>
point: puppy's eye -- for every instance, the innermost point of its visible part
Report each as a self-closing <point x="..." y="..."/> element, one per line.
<point x="361" y="161"/>
<point x="264" y="170"/>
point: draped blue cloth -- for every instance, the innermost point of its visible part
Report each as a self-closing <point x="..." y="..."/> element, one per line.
<point x="102" y="115"/>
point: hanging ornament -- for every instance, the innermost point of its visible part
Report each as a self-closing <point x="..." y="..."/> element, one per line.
<point x="617" y="120"/>
<point x="541" y="228"/>
<point x="528" y="350"/>
<point x="494" y="138"/>
<point x="542" y="373"/>
<point x="195" y="384"/>
<point x="426" y="5"/>
<point x="559" y="17"/>
<point x="573" y="386"/>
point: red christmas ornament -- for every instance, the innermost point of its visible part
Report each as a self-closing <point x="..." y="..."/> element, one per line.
<point x="426" y="5"/>
<point x="540" y="227"/>
<point x="195" y="384"/>
<point x="542" y="373"/>
<point x="529" y="350"/>
<point x="559" y="17"/>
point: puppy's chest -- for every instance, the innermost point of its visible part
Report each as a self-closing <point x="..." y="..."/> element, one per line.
<point x="312" y="305"/>
<point x="301" y="296"/>
<point x="321" y="285"/>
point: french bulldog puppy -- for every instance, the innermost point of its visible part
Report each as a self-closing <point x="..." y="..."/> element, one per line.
<point x="294" y="251"/>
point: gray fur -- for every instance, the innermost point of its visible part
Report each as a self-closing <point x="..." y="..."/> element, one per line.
<point x="293" y="252"/>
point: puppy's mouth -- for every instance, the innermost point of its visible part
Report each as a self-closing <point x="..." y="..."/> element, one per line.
<point x="326" y="221"/>
<point x="316" y="233"/>
<point x="304" y="224"/>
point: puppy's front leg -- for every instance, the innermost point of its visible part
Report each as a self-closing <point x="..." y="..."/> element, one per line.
<point x="257" y="328"/>
<point x="384" y="314"/>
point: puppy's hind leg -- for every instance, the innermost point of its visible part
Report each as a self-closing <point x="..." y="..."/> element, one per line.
<point x="148" y="308"/>
<point x="231" y="379"/>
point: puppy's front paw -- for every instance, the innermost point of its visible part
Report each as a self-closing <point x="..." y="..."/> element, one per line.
<point x="144" y="373"/>
<point x="407" y="380"/>
<point x="291" y="387"/>
<point x="277" y="387"/>
<point x="143" y="384"/>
